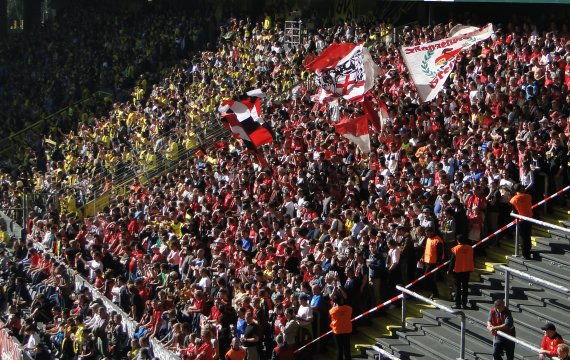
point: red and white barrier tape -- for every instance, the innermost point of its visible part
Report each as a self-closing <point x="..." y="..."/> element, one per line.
<point x="397" y="297"/>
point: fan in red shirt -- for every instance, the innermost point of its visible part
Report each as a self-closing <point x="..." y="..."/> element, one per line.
<point x="550" y="341"/>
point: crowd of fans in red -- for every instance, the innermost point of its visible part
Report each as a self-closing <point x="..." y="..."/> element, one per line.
<point x="220" y="253"/>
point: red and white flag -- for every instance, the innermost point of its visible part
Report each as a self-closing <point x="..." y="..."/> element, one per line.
<point x="356" y="131"/>
<point x="244" y="119"/>
<point x="430" y="64"/>
<point x="343" y="70"/>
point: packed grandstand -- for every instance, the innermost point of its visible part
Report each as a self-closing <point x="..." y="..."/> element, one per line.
<point x="190" y="234"/>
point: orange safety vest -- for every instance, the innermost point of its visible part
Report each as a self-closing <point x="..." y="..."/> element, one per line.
<point x="340" y="319"/>
<point x="523" y="204"/>
<point x="463" y="258"/>
<point x="430" y="253"/>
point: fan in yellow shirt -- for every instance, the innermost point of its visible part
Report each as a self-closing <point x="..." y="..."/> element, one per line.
<point x="172" y="150"/>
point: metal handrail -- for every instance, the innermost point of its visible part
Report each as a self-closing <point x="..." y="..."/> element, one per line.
<point x="384" y="353"/>
<point x="534" y="221"/>
<point x="528" y="277"/>
<point x="523" y="343"/>
<point x="541" y="223"/>
<point x="439" y="306"/>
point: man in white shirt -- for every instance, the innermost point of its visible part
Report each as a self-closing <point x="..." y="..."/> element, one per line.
<point x="31" y="346"/>
<point x="305" y="313"/>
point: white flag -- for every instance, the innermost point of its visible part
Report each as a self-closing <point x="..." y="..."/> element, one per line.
<point x="430" y="64"/>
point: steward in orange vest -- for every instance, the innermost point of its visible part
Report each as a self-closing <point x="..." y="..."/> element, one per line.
<point x="341" y="326"/>
<point x="434" y="254"/>
<point x="461" y="265"/>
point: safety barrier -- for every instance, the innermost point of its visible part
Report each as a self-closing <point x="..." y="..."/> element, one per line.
<point x="522" y="343"/>
<point x="532" y="279"/>
<point x="33" y="131"/>
<point x="398" y="297"/>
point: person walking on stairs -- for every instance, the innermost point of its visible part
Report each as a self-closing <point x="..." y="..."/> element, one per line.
<point x="522" y="202"/>
<point x="461" y="265"/>
<point x="501" y="319"/>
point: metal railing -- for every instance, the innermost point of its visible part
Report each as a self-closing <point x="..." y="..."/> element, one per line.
<point x="22" y="137"/>
<point x="533" y="279"/>
<point x="534" y="221"/>
<point x="460" y="313"/>
<point x="383" y="353"/>
<point x="522" y="343"/>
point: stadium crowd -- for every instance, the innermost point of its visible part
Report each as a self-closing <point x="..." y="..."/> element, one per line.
<point x="84" y="50"/>
<point x="221" y="258"/>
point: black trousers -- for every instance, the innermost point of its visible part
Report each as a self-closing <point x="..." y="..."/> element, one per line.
<point x="461" y="282"/>
<point x="342" y="346"/>
<point x="525" y="229"/>
<point x="431" y="285"/>
<point x="505" y="345"/>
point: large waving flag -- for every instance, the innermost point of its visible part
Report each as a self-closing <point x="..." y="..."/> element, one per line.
<point x="430" y="64"/>
<point x="244" y="119"/>
<point x="356" y="131"/>
<point x="343" y="70"/>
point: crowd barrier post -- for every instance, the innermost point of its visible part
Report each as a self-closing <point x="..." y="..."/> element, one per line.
<point x="532" y="279"/>
<point x="517" y="231"/>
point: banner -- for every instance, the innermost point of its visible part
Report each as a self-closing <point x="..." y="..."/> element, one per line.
<point x="343" y="70"/>
<point x="430" y="64"/>
<point x="244" y="119"/>
<point x="10" y="348"/>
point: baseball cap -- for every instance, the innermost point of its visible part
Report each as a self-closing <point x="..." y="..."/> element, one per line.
<point x="548" y="326"/>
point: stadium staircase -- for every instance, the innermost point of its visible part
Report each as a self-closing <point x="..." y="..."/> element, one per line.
<point x="434" y="334"/>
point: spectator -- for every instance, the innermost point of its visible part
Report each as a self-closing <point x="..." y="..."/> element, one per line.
<point x="550" y="341"/>
<point x="250" y="338"/>
<point x="562" y="352"/>
<point x="500" y="319"/>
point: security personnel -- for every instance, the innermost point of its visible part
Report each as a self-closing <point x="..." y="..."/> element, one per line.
<point x="522" y="203"/>
<point x="461" y="265"/>
<point x="434" y="254"/>
<point x="501" y="319"/>
<point x="550" y="341"/>
<point x="341" y="325"/>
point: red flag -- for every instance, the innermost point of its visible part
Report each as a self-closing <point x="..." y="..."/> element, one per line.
<point x="373" y="115"/>
<point x="356" y="131"/>
<point x="329" y="57"/>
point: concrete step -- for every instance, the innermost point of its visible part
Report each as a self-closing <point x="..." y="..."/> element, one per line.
<point x="556" y="274"/>
<point x="404" y="351"/>
<point x="522" y="289"/>
<point x="556" y="244"/>
<point x="427" y="346"/>
<point x="557" y="260"/>
<point x="527" y="323"/>
<point x="478" y="341"/>
<point x="477" y="324"/>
